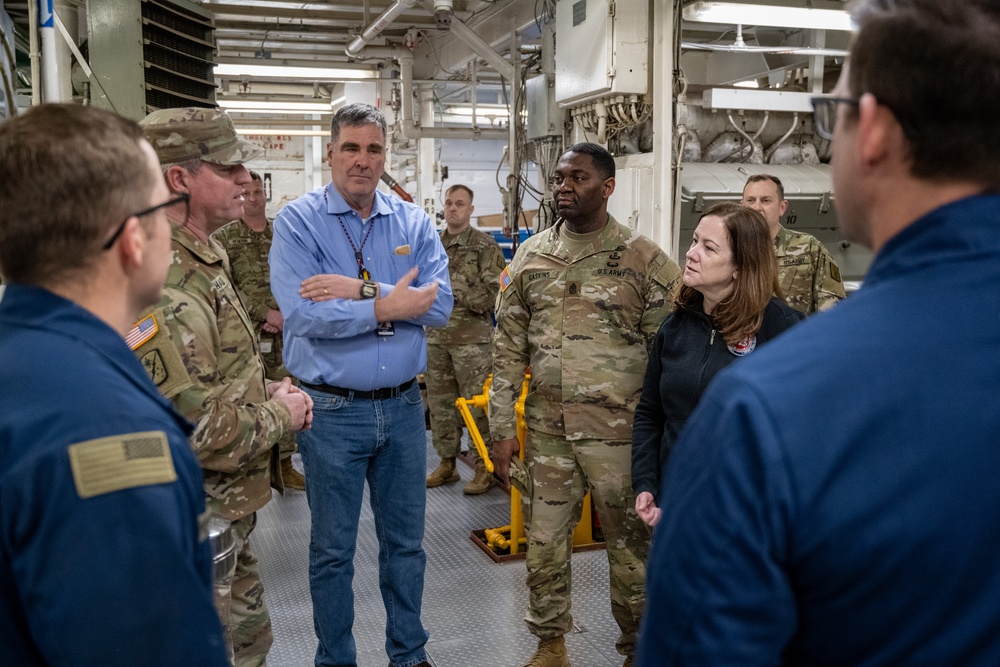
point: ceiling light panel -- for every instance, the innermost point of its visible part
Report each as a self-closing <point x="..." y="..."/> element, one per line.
<point x="743" y="13"/>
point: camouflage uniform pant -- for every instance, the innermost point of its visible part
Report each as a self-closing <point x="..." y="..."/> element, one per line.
<point x="274" y="370"/>
<point x="239" y="599"/>
<point x="561" y="473"/>
<point x="454" y="371"/>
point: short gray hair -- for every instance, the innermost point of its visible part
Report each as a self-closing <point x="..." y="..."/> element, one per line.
<point x="356" y="115"/>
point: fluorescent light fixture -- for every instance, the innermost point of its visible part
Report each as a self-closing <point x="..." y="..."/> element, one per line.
<point x="279" y="72"/>
<point x="286" y="132"/>
<point x="482" y="111"/>
<point x="742" y="13"/>
<point x="252" y="106"/>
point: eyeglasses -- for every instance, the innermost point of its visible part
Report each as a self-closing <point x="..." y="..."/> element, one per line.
<point x="184" y="197"/>
<point x="825" y="114"/>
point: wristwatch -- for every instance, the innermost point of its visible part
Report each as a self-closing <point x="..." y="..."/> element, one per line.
<point x="369" y="290"/>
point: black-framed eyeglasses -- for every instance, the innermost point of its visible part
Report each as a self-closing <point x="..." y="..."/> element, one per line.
<point x="183" y="197"/>
<point x="825" y="114"/>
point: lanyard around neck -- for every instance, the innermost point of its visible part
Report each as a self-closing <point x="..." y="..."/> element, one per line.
<point x="363" y="273"/>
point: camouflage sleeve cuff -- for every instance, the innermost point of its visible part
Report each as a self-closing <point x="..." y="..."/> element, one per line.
<point x="502" y="430"/>
<point x="282" y="419"/>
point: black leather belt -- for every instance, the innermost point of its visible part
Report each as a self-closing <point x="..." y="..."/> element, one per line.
<point x="373" y="395"/>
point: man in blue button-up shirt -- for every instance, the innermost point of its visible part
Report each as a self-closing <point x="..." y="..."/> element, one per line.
<point x="357" y="275"/>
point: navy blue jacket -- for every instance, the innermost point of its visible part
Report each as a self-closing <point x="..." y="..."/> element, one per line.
<point x="687" y="353"/>
<point x="118" y="578"/>
<point x="835" y="499"/>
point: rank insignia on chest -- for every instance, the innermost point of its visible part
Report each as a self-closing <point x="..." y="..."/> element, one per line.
<point x="744" y="347"/>
<point x="505" y="279"/>
<point x="220" y="284"/>
<point x="143" y="330"/>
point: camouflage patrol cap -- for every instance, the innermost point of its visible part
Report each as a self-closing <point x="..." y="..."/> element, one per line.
<point x="184" y="134"/>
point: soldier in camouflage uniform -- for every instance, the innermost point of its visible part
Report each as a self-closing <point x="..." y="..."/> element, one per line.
<point x="204" y="355"/>
<point x="580" y="304"/>
<point x="459" y="354"/>
<point x="247" y="242"/>
<point x="810" y="279"/>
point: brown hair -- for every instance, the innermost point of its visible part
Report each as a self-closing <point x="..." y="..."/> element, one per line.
<point x="764" y="178"/>
<point x="740" y="314"/>
<point x="935" y="66"/>
<point x="459" y="186"/>
<point x="69" y="174"/>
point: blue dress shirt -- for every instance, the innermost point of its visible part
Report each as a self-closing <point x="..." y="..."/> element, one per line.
<point x="335" y="342"/>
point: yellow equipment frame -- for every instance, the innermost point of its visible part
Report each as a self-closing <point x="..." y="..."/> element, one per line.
<point x="512" y="537"/>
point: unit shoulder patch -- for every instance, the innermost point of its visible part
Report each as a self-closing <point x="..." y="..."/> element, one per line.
<point x="164" y="365"/>
<point x="121" y="462"/>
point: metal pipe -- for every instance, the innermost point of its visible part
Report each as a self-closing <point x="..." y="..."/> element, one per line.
<point x="408" y="126"/>
<point x="383" y="21"/>
<point x="482" y="49"/>
<point x="776" y="144"/>
<point x="50" y="56"/>
<point x="602" y="122"/>
<point x="477" y="44"/>
<point x="36" y="77"/>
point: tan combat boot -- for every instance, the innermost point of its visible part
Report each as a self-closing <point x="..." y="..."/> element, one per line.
<point x="550" y="653"/>
<point x="445" y="473"/>
<point x="481" y="483"/>
<point x="292" y="478"/>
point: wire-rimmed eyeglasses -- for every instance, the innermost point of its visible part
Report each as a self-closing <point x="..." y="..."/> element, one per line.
<point x="825" y="114"/>
<point x="183" y="197"/>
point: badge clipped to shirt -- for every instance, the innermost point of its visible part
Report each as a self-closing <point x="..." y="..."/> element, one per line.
<point x="385" y="329"/>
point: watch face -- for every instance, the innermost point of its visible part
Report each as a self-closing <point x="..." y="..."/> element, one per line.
<point x="368" y="290"/>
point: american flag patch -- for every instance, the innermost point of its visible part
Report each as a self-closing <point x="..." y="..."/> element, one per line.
<point x="505" y="279"/>
<point x="143" y="330"/>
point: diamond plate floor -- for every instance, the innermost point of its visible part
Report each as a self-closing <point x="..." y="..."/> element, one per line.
<point x="472" y="607"/>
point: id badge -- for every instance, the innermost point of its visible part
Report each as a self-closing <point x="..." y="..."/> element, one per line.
<point x="385" y="329"/>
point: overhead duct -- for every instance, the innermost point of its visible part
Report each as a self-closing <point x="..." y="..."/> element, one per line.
<point x="383" y="21"/>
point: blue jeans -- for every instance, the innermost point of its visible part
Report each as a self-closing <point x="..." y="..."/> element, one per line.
<point x="353" y="439"/>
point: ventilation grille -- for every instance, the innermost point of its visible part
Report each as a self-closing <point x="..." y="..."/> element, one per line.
<point x="179" y="56"/>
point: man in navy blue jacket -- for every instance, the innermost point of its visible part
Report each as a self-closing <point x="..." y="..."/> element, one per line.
<point x="834" y="499"/>
<point x="101" y="557"/>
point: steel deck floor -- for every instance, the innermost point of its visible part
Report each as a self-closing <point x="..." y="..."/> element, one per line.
<point x="473" y="608"/>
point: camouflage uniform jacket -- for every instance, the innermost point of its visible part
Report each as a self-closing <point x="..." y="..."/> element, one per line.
<point x="204" y="358"/>
<point x="809" y="278"/>
<point x="475" y="261"/>
<point x="247" y="252"/>
<point x="583" y="321"/>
